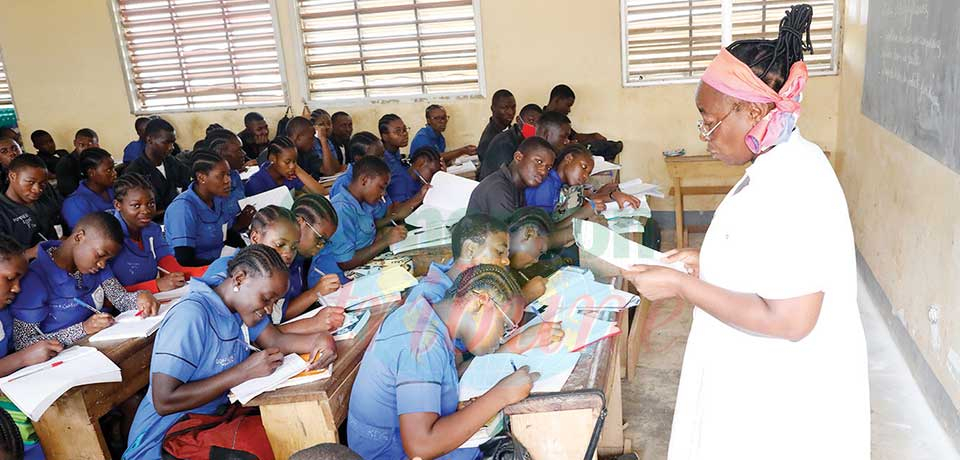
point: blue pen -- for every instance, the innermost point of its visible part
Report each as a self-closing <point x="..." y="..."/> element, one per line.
<point x="86" y="305"/>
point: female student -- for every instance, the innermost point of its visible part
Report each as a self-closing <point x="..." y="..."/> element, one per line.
<point x="776" y="363"/>
<point x="323" y="144"/>
<point x="395" y="135"/>
<point x="200" y="350"/>
<point x="404" y="400"/>
<point x="145" y="251"/>
<point x="317" y="220"/>
<point x="226" y="144"/>
<point x="197" y="221"/>
<point x="281" y="169"/>
<point x="411" y="187"/>
<point x="13" y="265"/>
<point x="64" y="290"/>
<point x="530" y="230"/>
<point x="95" y="192"/>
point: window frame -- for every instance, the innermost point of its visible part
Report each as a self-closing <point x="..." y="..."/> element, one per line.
<point x="6" y="71"/>
<point x="725" y="32"/>
<point x="304" y="80"/>
<point x="131" y="85"/>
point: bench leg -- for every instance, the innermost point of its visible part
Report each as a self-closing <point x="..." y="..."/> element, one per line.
<point x="296" y="426"/>
<point x="68" y="431"/>
<point x="678" y="209"/>
<point x="636" y="337"/>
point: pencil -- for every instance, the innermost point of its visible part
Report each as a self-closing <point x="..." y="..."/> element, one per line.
<point x="37" y="328"/>
<point x="525" y="278"/>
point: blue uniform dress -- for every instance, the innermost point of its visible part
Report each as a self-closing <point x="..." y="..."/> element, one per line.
<point x="190" y="222"/>
<point x="547" y="194"/>
<point x="261" y="182"/>
<point x="133" y="264"/>
<point x="199" y="338"/>
<point x="435" y="283"/>
<point x="340" y="186"/>
<point x="403" y="187"/>
<point x="356" y="230"/>
<point x="428" y="137"/>
<point x="398" y="168"/>
<point x="49" y="294"/>
<point x="236" y="194"/>
<point x="408" y="368"/>
<point x="133" y="150"/>
<point x="31" y="442"/>
<point x="333" y="149"/>
<point x="83" y="201"/>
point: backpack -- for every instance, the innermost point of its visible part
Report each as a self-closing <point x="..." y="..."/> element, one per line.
<point x="237" y="434"/>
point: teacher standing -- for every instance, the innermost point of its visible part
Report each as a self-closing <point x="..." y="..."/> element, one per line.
<point x="776" y="365"/>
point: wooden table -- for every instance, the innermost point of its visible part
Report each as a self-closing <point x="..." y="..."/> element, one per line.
<point x="70" y="428"/>
<point x="718" y="178"/>
<point x="302" y="416"/>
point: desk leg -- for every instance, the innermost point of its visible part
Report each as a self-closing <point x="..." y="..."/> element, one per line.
<point x="632" y="351"/>
<point x="678" y="209"/>
<point x="611" y="437"/>
<point x="68" y="431"/>
<point x="296" y="426"/>
<point x="570" y="433"/>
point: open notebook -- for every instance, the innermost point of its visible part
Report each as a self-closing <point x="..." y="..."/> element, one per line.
<point x="34" y="388"/>
<point x="293" y="371"/>
<point x="615" y="249"/>
<point x="422" y="238"/>
<point x="580" y="329"/>
<point x="279" y="196"/>
<point x="574" y="288"/>
<point x="130" y="326"/>
<point x="445" y="203"/>
<point x="390" y="280"/>
<point x="487" y="370"/>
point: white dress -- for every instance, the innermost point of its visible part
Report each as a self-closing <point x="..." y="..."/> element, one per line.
<point x="782" y="232"/>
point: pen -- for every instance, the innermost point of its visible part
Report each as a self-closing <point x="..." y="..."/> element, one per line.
<point x="384" y="201"/>
<point x="514" y="365"/>
<point x="251" y="347"/>
<point x="37" y="328"/>
<point x="525" y="278"/>
<point x="420" y="177"/>
<point x="86" y="305"/>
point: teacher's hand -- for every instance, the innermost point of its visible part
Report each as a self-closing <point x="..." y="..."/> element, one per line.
<point x="655" y="283"/>
<point x="690" y="258"/>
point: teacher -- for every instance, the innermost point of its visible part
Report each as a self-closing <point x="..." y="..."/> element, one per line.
<point x="775" y="365"/>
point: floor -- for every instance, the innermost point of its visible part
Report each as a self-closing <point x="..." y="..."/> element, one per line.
<point x="903" y="426"/>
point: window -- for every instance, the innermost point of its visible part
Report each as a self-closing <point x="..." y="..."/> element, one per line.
<point x="355" y="49"/>
<point x="6" y="97"/>
<point x="667" y="41"/>
<point x="199" y="54"/>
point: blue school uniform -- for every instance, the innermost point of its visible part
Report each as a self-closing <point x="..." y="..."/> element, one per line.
<point x="435" y="283"/>
<point x="409" y="368"/>
<point x="356" y="230"/>
<point x="189" y="222"/>
<point x="397" y="166"/>
<point x="261" y="182"/>
<point x="428" y="137"/>
<point x="333" y="149"/>
<point x="133" y="150"/>
<point x="83" y="201"/>
<point x="135" y="264"/>
<point x="340" y="186"/>
<point x="199" y="338"/>
<point x="403" y="187"/>
<point x="232" y="207"/>
<point x="49" y="294"/>
<point x="547" y="194"/>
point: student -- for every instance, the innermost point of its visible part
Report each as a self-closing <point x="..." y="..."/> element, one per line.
<point x="9" y="149"/>
<point x="322" y="143"/>
<point x="8" y="132"/>
<point x="281" y="169"/>
<point x="412" y="186"/>
<point x="395" y="135"/>
<point x="29" y="208"/>
<point x="135" y="149"/>
<point x="317" y="219"/>
<point x="502" y="193"/>
<point x="47" y="149"/>
<point x="226" y="144"/>
<point x="362" y="144"/>
<point x="357" y="240"/>
<point x="561" y="100"/>
<point x="255" y="135"/>
<point x="95" y="192"/>
<point x="503" y="107"/>
<point x="530" y="229"/>
<point x="432" y="135"/>
<point x="301" y="131"/>
<point x="197" y="221"/>
<point x="69" y="276"/>
<point x="201" y="352"/>
<point x="68" y="168"/>
<point x="144" y="247"/>
<point x="552" y="126"/>
<point x="340" y="132"/>
<point x="167" y="174"/>
<point x="405" y="397"/>
<point x="511" y="137"/>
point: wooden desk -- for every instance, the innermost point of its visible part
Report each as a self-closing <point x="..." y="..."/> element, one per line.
<point x="302" y="416"/>
<point x="699" y="168"/>
<point x="423" y="257"/>
<point x="70" y="428"/>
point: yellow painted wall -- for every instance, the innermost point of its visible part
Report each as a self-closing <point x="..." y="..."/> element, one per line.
<point x="65" y="72"/>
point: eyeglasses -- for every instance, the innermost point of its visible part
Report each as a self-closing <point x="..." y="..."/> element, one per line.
<point x="321" y="240"/>
<point x="510" y="326"/>
<point x="701" y="125"/>
<point x="400" y="131"/>
<point x="441" y="118"/>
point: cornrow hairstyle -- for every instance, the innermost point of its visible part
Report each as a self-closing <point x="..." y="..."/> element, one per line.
<point x="530" y="216"/>
<point x="770" y="60"/>
<point x="252" y="117"/>
<point x="11" y="441"/>
<point x="157" y="126"/>
<point x="218" y="137"/>
<point x="357" y="147"/>
<point x="212" y="127"/>
<point x="493" y="280"/>
<point x="476" y="228"/>
<point x="431" y="108"/>
<point x="426" y="151"/>
<point x="551" y="119"/>
<point x="91" y="159"/>
<point x="563" y="92"/>
<point x="528" y="109"/>
<point x="26" y="160"/>
<point x="9" y="248"/>
<point x="257" y="260"/>
<point x="571" y="149"/>
<point x="86" y="132"/>
<point x="370" y="166"/>
<point x="317" y="113"/>
<point x="501" y="94"/>
<point x="129" y="182"/>
<point x="103" y="223"/>
<point x="269" y="215"/>
<point x="535" y="143"/>
<point x="314" y="208"/>
<point x="384" y="124"/>
<point x="38" y="134"/>
<point x="204" y="161"/>
<point x="278" y="144"/>
<point x="333" y="118"/>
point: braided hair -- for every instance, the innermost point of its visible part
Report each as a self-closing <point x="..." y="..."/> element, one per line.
<point x="357" y="147"/>
<point x="91" y="158"/>
<point x="257" y="260"/>
<point x="278" y="144"/>
<point x="427" y="151"/>
<point x="217" y="137"/>
<point x="129" y="182"/>
<point x="770" y="60"/>
<point x="493" y="280"/>
<point x="314" y="208"/>
<point x="9" y="248"/>
<point x="11" y="441"/>
<point x="204" y="161"/>
<point x="569" y="150"/>
<point x="384" y="123"/>
<point x="476" y="228"/>
<point x="530" y="216"/>
<point x="269" y="215"/>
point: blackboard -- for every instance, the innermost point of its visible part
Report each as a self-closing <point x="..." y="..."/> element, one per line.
<point x="912" y="75"/>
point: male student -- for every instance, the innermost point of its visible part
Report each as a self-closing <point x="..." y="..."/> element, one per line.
<point x="68" y="168"/>
<point x="561" y="100"/>
<point x="432" y="135"/>
<point x="503" y="107"/>
<point x="134" y="149"/>
<point x="9" y="149"/>
<point x="47" y="149"/>
<point x="29" y="208"/>
<point x="255" y="135"/>
<point x="502" y="192"/>
<point x="342" y="129"/>
<point x="12" y="133"/>
<point x="167" y="174"/>
<point x="554" y="127"/>
<point x="510" y="138"/>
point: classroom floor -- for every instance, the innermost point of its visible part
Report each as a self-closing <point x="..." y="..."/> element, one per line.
<point x="903" y="426"/>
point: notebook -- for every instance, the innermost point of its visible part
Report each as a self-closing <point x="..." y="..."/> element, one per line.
<point x="353" y="324"/>
<point x="615" y="249"/>
<point x="580" y="329"/>
<point x="307" y="376"/>
<point x="393" y="279"/>
<point x="279" y="196"/>
<point x="462" y="168"/>
<point x="574" y="288"/>
<point x="292" y="365"/>
<point x="487" y="370"/>
<point x="34" y="388"/>
<point x="601" y="165"/>
<point x="423" y="238"/>
<point x="614" y="211"/>
<point x="173" y="295"/>
<point x="637" y="187"/>
<point x="251" y="170"/>
<point x="130" y="326"/>
<point x="445" y="203"/>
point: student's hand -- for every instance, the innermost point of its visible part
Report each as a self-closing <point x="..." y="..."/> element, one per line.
<point x="323" y="351"/>
<point x="534" y="288"/>
<point x="624" y="199"/>
<point x="244" y="218"/>
<point x="97" y="323"/>
<point x="585" y="211"/>
<point x="41" y="351"/>
<point x="470" y="150"/>
<point x="261" y="363"/>
<point x="261" y="139"/>
<point x="689" y="256"/>
<point x="250" y="163"/>
<point x="396" y="234"/>
<point x="328" y="283"/>
<point x="321" y="132"/>
<point x="171" y="281"/>
<point x="329" y="319"/>
<point x="31" y="253"/>
<point x="516" y="386"/>
<point x="600" y="206"/>
<point x="147" y="304"/>
<point x="541" y="335"/>
<point x="655" y="283"/>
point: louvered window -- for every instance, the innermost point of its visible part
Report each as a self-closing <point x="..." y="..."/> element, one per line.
<point x="6" y="98"/>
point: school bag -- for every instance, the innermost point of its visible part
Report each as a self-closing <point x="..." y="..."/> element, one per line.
<point x="236" y="434"/>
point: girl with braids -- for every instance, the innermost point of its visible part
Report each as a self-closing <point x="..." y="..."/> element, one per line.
<point x="405" y="397"/>
<point x="281" y="169"/>
<point x="323" y="145"/>
<point x="226" y="144"/>
<point x="529" y="229"/>
<point x="201" y="351"/>
<point x="95" y="192"/>
<point x="144" y="247"/>
<point x="775" y="364"/>
<point x="424" y="163"/>
<point x="317" y="220"/>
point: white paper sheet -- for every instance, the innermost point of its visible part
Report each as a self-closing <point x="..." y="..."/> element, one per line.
<point x="615" y="249"/>
<point x="251" y="170"/>
<point x="279" y="196"/>
<point x="445" y="203"/>
<point x="292" y="365"/>
<point x="389" y="280"/>
<point x="487" y="370"/>
<point x="601" y="166"/>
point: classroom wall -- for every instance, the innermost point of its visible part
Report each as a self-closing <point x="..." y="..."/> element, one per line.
<point x="906" y="220"/>
<point x="66" y="73"/>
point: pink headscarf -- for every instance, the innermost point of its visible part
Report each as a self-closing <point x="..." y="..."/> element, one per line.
<point x="732" y="77"/>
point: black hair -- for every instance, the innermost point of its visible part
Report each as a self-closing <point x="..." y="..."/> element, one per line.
<point x="86" y="132"/>
<point x="501" y="94"/>
<point x="571" y="149"/>
<point x="297" y="124"/>
<point x="139" y="121"/>
<point x="38" y="134"/>
<point x="257" y="260"/>
<point x="252" y="117"/>
<point x="530" y="108"/>
<point x="91" y="158"/>
<point x="494" y="280"/>
<point x="156" y="126"/>
<point x="11" y="441"/>
<point x="8" y="132"/>
<point x="326" y="451"/>
<point x="313" y="208"/>
<point x="383" y="125"/>
<point x="333" y="118"/>
<point x="270" y="214"/>
<point x="562" y="91"/>
<point x="26" y="160"/>
<point x="552" y="119"/>
<point x="279" y="143"/>
<point x="370" y="166"/>
<point x="770" y="60"/>
<point x="426" y="151"/>
<point x="357" y="147"/>
<point x="212" y="127"/>
<point x="102" y="222"/>
<point x="430" y="108"/>
<point x="317" y="113"/>
<point x="9" y="247"/>
<point x="536" y="143"/>
<point x="476" y="228"/>
<point x="129" y="182"/>
<point x="217" y="137"/>
<point x="530" y="216"/>
<point x="204" y="161"/>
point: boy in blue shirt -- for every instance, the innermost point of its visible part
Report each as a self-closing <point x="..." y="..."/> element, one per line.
<point x="431" y="135"/>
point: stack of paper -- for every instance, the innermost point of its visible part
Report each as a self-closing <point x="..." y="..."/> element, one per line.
<point x="129" y="325"/>
<point x="462" y="168"/>
<point x="251" y="170"/>
<point x="574" y="288"/>
<point x="601" y="166"/>
<point x="34" y="388"/>
<point x="445" y="203"/>
<point x="307" y="376"/>
<point x="615" y="249"/>
<point x="330" y="179"/>
<point x="487" y="370"/>
<point x="390" y="280"/>
<point x="466" y="159"/>
<point x="279" y="196"/>
<point x="614" y="211"/>
<point x="636" y="187"/>
<point x="422" y="238"/>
